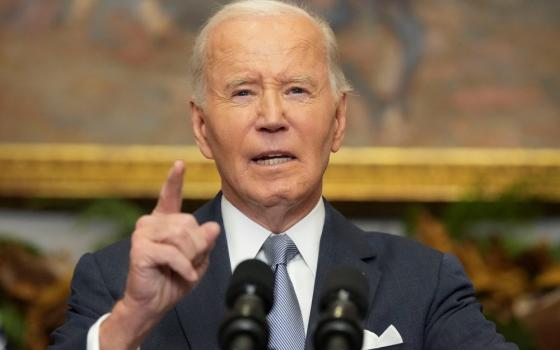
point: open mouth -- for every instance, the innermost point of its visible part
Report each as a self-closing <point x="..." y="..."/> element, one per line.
<point x="273" y="158"/>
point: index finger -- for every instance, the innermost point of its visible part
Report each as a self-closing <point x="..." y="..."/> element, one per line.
<point x="171" y="194"/>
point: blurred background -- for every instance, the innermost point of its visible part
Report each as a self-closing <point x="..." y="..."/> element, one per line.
<point x="94" y="107"/>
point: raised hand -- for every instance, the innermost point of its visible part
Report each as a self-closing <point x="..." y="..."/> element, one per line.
<point x="168" y="256"/>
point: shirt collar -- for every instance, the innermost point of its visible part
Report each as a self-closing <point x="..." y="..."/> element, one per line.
<point x="246" y="237"/>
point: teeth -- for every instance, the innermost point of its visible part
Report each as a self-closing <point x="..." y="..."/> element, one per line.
<point x="273" y="161"/>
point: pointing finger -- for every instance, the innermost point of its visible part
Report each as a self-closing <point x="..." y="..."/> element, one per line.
<point x="171" y="194"/>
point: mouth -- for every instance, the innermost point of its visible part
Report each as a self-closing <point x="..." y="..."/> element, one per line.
<point x="273" y="158"/>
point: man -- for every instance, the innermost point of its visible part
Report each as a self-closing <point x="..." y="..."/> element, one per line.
<point x="269" y="108"/>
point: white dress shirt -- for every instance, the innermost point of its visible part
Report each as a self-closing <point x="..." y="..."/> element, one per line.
<point x="245" y="239"/>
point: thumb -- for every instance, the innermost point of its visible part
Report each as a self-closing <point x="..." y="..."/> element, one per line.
<point x="171" y="194"/>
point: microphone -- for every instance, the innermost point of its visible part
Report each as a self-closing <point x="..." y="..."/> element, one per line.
<point x="343" y="306"/>
<point x="249" y="299"/>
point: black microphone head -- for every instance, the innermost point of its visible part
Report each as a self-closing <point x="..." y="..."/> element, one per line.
<point x="349" y="280"/>
<point x="251" y="277"/>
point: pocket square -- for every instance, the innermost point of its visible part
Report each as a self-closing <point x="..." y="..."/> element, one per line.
<point x="390" y="337"/>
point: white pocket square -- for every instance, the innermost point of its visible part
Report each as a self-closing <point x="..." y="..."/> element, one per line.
<point x="390" y="337"/>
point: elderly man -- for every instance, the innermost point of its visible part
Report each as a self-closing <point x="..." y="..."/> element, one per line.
<point x="269" y="108"/>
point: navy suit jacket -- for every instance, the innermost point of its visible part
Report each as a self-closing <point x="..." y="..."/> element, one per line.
<point x="425" y="294"/>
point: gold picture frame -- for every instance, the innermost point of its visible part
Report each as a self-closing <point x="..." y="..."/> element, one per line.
<point x="354" y="174"/>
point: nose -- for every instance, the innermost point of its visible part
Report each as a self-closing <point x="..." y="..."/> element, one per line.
<point x="271" y="114"/>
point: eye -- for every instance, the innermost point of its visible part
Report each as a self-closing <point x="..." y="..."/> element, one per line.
<point x="242" y="93"/>
<point x="296" y="90"/>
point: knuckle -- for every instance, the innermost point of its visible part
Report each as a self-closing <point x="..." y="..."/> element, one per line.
<point x="142" y="221"/>
<point x="175" y="232"/>
<point x="188" y="220"/>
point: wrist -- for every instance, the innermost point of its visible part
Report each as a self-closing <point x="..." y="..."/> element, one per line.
<point x="125" y="328"/>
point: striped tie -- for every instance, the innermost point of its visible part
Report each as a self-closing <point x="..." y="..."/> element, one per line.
<point x="285" y="320"/>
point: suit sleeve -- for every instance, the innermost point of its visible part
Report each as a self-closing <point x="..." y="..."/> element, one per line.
<point x="455" y="320"/>
<point x="89" y="300"/>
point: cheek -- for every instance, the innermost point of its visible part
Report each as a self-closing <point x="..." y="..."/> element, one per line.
<point x="226" y="132"/>
<point x="227" y="140"/>
<point x="319" y="139"/>
<point x="318" y="132"/>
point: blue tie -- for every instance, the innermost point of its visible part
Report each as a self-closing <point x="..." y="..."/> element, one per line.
<point x="285" y="320"/>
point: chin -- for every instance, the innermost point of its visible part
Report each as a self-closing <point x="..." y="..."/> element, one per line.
<point x="272" y="199"/>
<point x="287" y="195"/>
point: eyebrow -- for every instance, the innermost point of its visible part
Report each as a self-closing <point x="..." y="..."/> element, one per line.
<point x="232" y="84"/>
<point x="306" y="80"/>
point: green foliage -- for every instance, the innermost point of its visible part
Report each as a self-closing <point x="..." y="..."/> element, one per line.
<point x="13" y="322"/>
<point x="510" y="209"/>
<point x="555" y="252"/>
<point x="12" y="318"/>
<point x="121" y="213"/>
<point x="410" y="219"/>
<point x="516" y="333"/>
<point x="7" y="239"/>
<point x="514" y="246"/>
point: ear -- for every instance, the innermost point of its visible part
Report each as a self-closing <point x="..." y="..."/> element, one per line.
<point x="340" y="123"/>
<point x="199" y="128"/>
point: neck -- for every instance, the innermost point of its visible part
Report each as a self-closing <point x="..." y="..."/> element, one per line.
<point x="279" y="217"/>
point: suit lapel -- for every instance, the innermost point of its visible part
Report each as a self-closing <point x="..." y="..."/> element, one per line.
<point x="202" y="311"/>
<point x="342" y="244"/>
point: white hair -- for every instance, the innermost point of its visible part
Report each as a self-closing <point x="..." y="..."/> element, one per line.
<point x="240" y="8"/>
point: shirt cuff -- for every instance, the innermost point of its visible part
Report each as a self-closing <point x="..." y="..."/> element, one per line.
<point x="93" y="333"/>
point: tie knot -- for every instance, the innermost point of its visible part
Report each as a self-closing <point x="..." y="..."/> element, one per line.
<point x="279" y="249"/>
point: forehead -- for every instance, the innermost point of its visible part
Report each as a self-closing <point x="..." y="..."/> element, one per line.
<point x="278" y="41"/>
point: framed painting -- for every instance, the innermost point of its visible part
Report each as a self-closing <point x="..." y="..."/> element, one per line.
<point x="447" y="96"/>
